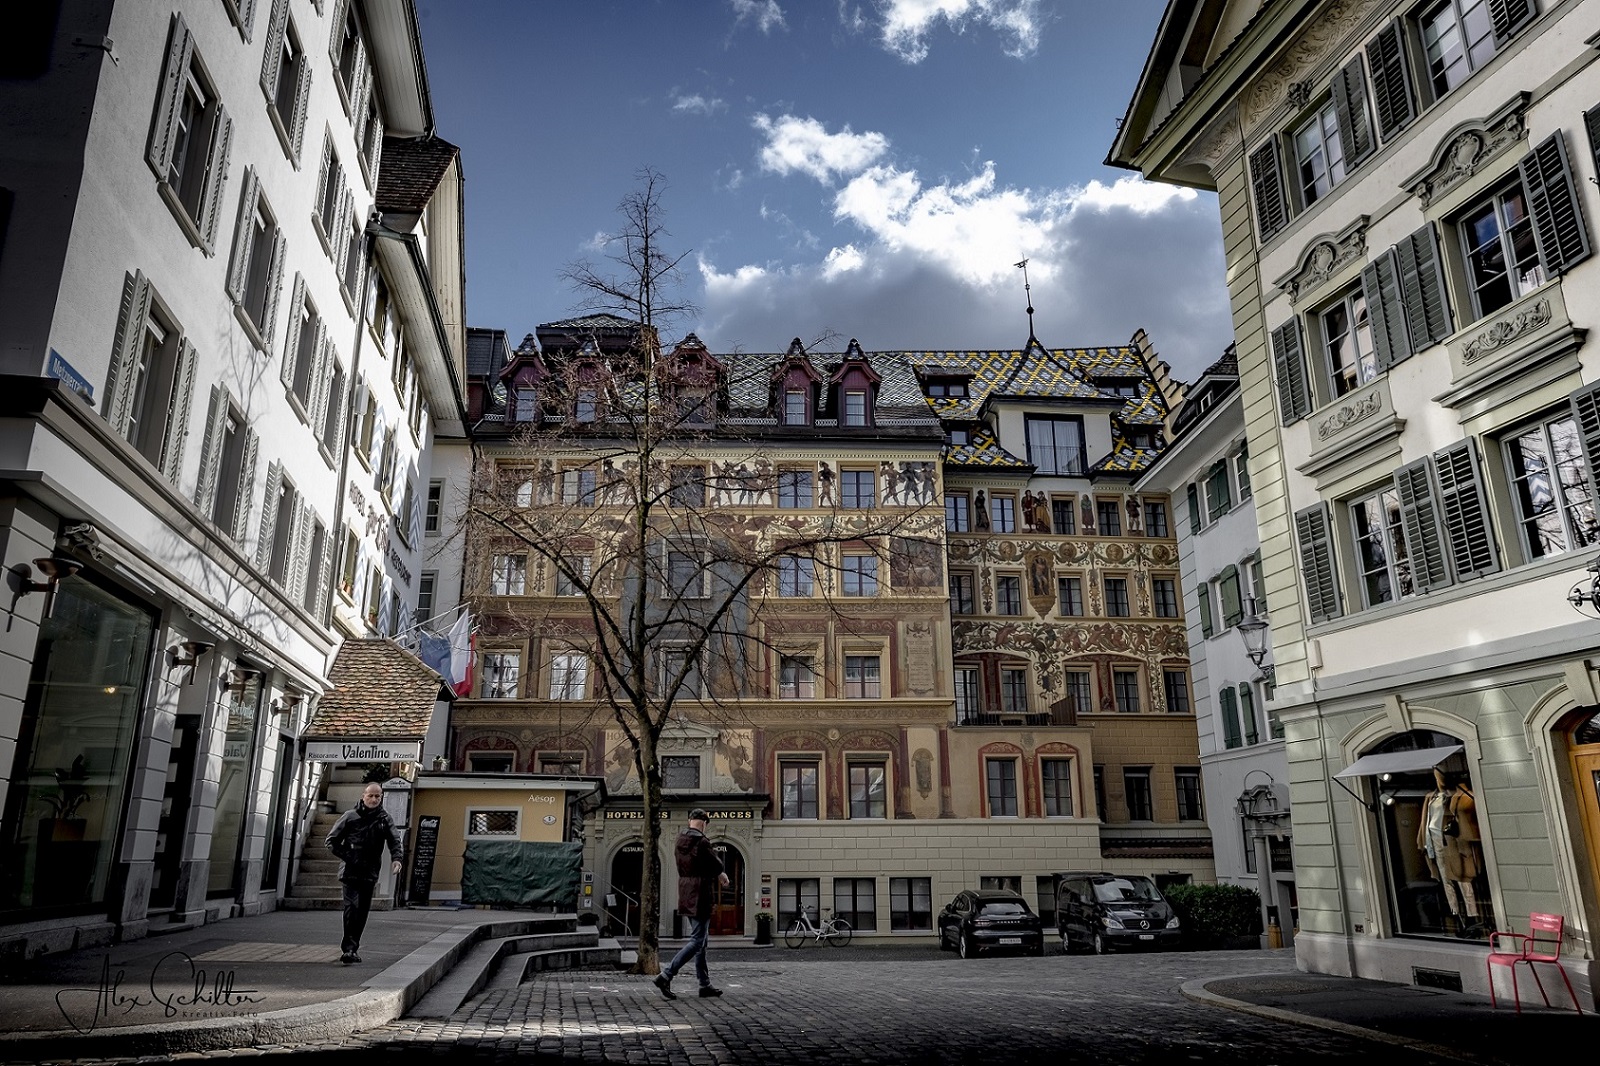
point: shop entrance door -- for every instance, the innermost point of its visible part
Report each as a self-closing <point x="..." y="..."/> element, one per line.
<point x="727" y="913"/>
<point x="622" y="896"/>
<point x="1586" y="775"/>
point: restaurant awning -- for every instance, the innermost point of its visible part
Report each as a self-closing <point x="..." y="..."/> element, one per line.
<point x="1399" y="762"/>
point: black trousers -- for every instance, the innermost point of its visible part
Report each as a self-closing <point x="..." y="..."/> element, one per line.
<point x="357" y="905"/>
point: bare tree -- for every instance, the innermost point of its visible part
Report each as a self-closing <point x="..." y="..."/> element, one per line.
<point x="630" y="501"/>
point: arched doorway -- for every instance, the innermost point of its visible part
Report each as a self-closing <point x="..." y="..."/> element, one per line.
<point x="1584" y="745"/>
<point x="622" y="897"/>
<point x="727" y="913"/>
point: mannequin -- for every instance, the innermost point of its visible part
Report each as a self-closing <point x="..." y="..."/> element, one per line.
<point x="1448" y="837"/>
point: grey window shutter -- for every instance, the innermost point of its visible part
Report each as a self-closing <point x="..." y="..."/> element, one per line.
<point x="216" y="177"/>
<point x="1391" y="80"/>
<point x="1207" y="625"/>
<point x="297" y="125"/>
<point x="1422" y="288"/>
<point x="294" y="582"/>
<point x="1586" y="413"/>
<point x="1380" y="283"/>
<point x="1194" y="508"/>
<point x="269" y="517"/>
<point x="180" y="50"/>
<point x="205" y="489"/>
<point x="244" y="236"/>
<point x="336" y="31"/>
<point x="118" y="404"/>
<point x="332" y="434"/>
<point x="1315" y="536"/>
<point x="246" y="487"/>
<point x="341" y="239"/>
<point x="1465" y="508"/>
<point x="272" y="55"/>
<point x="1350" y="108"/>
<point x="291" y="335"/>
<point x="247" y="18"/>
<point x="1228" y="589"/>
<point x="324" y="573"/>
<point x="377" y="146"/>
<point x="1509" y="16"/>
<point x="1591" y="126"/>
<point x="324" y="175"/>
<point x="1230" y="717"/>
<point x="1558" y="227"/>
<point x="177" y="433"/>
<point x="319" y="378"/>
<point x="1289" y="366"/>
<point x="1419" y="515"/>
<point x="274" y="285"/>
<point x="1266" y="185"/>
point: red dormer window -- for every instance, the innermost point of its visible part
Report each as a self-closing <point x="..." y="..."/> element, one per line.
<point x="796" y="409"/>
<point x="586" y="405"/>
<point x="855" y="407"/>
<point x="856" y="385"/>
<point x="794" y="387"/>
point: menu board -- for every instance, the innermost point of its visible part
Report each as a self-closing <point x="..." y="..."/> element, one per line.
<point x="422" y="858"/>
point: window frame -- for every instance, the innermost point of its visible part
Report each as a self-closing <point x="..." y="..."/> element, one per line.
<point x="1053" y="450"/>
<point x="509" y="661"/>
<point x="1131" y="777"/>
<point x="868" y="680"/>
<point x="1008" y="594"/>
<point x="1127" y="694"/>
<point x="1008" y="794"/>
<point x="796" y="810"/>
<point x="868" y="808"/>
<point x="799" y="688"/>
<point x="1052" y="790"/>
<point x="569" y="676"/>
<point x="858" y="489"/>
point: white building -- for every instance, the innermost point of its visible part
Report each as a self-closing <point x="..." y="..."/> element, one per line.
<point x="1409" y="205"/>
<point x="1244" y="771"/>
<point x="182" y="283"/>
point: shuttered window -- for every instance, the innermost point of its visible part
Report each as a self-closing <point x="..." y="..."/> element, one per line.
<point x="1509" y="16"/>
<point x="1350" y="105"/>
<point x="1558" y="227"/>
<point x="1392" y="97"/>
<point x="191" y="137"/>
<point x="1419" y="516"/>
<point x="1266" y="185"/>
<point x="1195" y="518"/>
<point x="1314" y="535"/>
<point x="1289" y="366"/>
<point x="1380" y="282"/>
<point x="1586" y="413"/>
<point x="1207" y="626"/>
<point x="1422" y="289"/>
<point x="1464" y="508"/>
<point x="1228" y="591"/>
<point x="1230" y="718"/>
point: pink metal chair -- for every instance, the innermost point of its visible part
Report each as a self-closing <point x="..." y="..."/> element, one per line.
<point x="1542" y="943"/>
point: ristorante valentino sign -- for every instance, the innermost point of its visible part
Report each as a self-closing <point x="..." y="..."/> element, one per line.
<point x="363" y="751"/>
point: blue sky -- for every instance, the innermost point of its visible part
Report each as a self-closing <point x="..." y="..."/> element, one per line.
<point x="861" y="168"/>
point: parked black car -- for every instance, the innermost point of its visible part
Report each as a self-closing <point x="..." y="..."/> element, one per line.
<point x="1098" y="911"/>
<point x="974" y="922"/>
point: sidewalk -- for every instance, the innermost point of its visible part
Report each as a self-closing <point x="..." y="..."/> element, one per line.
<point x="1433" y="1021"/>
<point x="260" y="981"/>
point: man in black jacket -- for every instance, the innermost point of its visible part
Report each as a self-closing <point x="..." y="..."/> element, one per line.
<point x="358" y="839"/>
<point x="699" y="875"/>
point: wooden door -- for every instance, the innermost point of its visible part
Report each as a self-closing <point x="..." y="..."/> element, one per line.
<point x="727" y="912"/>
<point x="1586" y="777"/>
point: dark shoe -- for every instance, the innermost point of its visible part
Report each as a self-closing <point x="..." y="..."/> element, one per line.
<point x="348" y="957"/>
<point x="354" y="957"/>
<point x="707" y="992"/>
<point x="664" y="985"/>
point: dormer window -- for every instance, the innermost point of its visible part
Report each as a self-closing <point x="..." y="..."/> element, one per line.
<point x="855" y="407"/>
<point x="959" y="436"/>
<point x="694" y="408"/>
<point x="954" y="388"/>
<point x="527" y="404"/>
<point x="586" y="407"/>
<point x="794" y="407"/>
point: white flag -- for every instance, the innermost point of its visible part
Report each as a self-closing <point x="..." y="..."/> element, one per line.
<point x="461" y="654"/>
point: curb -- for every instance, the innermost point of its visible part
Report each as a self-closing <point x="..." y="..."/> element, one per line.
<point x="1197" y="991"/>
<point x="385" y="998"/>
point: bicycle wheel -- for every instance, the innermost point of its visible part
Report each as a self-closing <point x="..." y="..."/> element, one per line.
<point x="796" y="934"/>
<point x="838" y="932"/>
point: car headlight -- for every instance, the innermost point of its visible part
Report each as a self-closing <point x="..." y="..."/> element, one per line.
<point x="1111" y="923"/>
<point x="1172" y="923"/>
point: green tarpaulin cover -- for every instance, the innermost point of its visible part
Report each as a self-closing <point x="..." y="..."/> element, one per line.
<point x="522" y="873"/>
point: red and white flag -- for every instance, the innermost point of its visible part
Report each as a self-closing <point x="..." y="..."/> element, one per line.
<point x="461" y="654"/>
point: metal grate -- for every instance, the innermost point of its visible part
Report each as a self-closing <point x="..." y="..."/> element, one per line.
<point x="492" y="823"/>
<point x="1449" y="980"/>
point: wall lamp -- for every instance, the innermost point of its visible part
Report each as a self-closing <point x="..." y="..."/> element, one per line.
<point x="1580" y="595"/>
<point x="188" y="654"/>
<point x="287" y="702"/>
<point x="53" y="567"/>
<point x="1255" y="631"/>
<point x="239" y="679"/>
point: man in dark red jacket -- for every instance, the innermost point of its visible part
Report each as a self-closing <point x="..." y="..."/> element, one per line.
<point x="699" y="874"/>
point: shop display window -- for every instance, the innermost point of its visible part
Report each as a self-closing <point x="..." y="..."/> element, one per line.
<point x="1432" y="851"/>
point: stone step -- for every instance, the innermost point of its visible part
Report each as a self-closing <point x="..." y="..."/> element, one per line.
<point x="322" y="863"/>
<point x="474" y="972"/>
<point x="292" y="902"/>
<point x="321" y="879"/>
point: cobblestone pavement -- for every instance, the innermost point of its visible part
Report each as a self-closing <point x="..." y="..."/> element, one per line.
<point x="889" y="1005"/>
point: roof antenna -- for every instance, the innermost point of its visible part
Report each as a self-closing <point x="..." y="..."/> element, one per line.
<point x="1028" y="291"/>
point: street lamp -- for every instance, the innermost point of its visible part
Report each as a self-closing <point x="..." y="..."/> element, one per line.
<point x="1254" y="629"/>
<point x="1591" y="596"/>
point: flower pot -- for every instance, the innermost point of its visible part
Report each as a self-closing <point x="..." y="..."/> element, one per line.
<point x="763" y="929"/>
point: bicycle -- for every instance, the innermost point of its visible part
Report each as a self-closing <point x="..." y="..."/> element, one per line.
<point x="835" y="931"/>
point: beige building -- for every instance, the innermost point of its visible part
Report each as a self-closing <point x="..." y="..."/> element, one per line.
<point x="1408" y="202"/>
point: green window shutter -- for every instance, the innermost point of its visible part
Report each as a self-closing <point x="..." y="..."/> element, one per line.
<point x="1558" y="227"/>
<point x="1232" y="603"/>
<point x="1391" y="80"/>
<point x="1465" y="510"/>
<point x="1419" y="515"/>
<point x="1350" y="108"/>
<point x="1422" y="289"/>
<point x="1509" y="16"/>
<point x="1586" y="413"/>
<point x="1230" y="717"/>
<point x="1247" y="712"/>
<point x="1380" y="282"/>
<point x="1289" y="366"/>
<point x="1194" y="508"/>
<point x="1314" y="533"/>
<point x="1266" y="185"/>
<point x="1207" y="627"/>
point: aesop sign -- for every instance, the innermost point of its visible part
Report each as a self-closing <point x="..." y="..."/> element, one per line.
<point x="362" y="751"/>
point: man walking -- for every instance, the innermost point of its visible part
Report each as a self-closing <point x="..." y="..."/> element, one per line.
<point x="358" y="838"/>
<point x="699" y="874"/>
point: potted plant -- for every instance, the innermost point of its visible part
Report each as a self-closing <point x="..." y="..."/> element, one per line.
<point x="71" y="794"/>
<point x="763" y="927"/>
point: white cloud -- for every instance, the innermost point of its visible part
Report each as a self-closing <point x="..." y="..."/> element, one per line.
<point x="907" y="23"/>
<point x="695" y="104"/>
<point x="844" y="260"/>
<point x="804" y="145"/>
<point x="766" y="14"/>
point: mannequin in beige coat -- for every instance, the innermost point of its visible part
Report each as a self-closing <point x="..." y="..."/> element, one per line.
<point x="1448" y="836"/>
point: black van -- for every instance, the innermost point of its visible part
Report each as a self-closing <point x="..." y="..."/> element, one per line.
<point x="1099" y="911"/>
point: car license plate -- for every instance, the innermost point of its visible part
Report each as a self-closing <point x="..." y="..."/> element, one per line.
<point x="1147" y="936"/>
<point x="1011" y="940"/>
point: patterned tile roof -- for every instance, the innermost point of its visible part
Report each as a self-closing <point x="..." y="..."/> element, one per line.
<point x="380" y="691"/>
<point x="983" y="450"/>
<point x="412" y="168"/>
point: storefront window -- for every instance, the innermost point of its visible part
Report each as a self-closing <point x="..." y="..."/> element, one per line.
<point x="64" y="807"/>
<point x="242" y="706"/>
<point x="1427" y="818"/>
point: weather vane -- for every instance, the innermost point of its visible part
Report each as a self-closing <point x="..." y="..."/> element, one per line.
<point x="1028" y="292"/>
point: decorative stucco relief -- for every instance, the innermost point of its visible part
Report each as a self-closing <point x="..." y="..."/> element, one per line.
<point x="1349" y="413"/>
<point x="1325" y="256"/>
<point x="1278" y="85"/>
<point x="1505" y="330"/>
<point x="1468" y="148"/>
<point x="1050" y="644"/>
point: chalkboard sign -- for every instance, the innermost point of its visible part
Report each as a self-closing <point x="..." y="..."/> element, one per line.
<point x="422" y="858"/>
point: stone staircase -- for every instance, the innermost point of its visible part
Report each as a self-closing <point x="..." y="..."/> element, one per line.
<point x="554" y="943"/>
<point x="316" y="884"/>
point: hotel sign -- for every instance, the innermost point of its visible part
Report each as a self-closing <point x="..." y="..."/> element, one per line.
<point x="635" y="816"/>
<point x="363" y="751"/>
